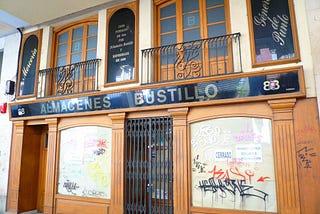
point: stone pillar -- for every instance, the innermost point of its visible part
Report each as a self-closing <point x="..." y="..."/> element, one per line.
<point x="288" y="200"/>
<point x="117" y="175"/>
<point x="180" y="160"/>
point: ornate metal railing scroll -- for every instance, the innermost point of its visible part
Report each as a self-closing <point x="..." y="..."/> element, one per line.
<point x="195" y="59"/>
<point x="69" y="79"/>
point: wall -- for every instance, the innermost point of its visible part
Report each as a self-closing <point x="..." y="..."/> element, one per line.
<point x="313" y="14"/>
<point x="10" y="46"/>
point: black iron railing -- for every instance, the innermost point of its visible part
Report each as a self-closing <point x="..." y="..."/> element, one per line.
<point x="200" y="58"/>
<point x="69" y="79"/>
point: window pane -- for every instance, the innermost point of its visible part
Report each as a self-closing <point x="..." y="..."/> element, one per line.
<point x="92" y="42"/>
<point x="63" y="37"/>
<point x="168" y="39"/>
<point x="168" y="56"/>
<point x="91" y="54"/>
<point x="169" y="10"/>
<point x="190" y="35"/>
<point x="61" y="61"/>
<point x="62" y="49"/>
<point x="85" y="162"/>
<point x="76" y="46"/>
<point x="217" y="30"/>
<point x="273" y="39"/>
<point x="191" y="20"/>
<point x="92" y="30"/>
<point x="223" y="155"/>
<point x="215" y="15"/>
<point x="168" y="25"/>
<point x="77" y="33"/>
<point x="121" y="50"/>
<point x="211" y="3"/>
<point x="219" y="48"/>
<point x="76" y="58"/>
<point x="190" y="5"/>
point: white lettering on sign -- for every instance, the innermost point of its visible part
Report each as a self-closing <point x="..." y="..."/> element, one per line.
<point x="278" y="22"/>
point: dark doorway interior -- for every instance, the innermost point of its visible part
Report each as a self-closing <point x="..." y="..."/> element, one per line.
<point x="33" y="169"/>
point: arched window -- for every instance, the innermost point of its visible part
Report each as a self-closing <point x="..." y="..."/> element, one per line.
<point x="76" y="43"/>
<point x="29" y="64"/>
<point x="75" y="58"/>
<point x="121" y="46"/>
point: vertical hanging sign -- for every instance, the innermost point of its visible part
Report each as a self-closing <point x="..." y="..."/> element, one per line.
<point x="28" y="66"/>
<point x="121" y="46"/>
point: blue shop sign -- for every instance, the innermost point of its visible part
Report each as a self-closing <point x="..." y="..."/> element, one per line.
<point x="252" y="86"/>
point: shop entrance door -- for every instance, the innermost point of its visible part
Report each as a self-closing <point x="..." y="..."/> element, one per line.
<point x="32" y="171"/>
<point x="149" y="166"/>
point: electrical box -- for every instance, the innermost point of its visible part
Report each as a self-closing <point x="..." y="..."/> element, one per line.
<point x="10" y="87"/>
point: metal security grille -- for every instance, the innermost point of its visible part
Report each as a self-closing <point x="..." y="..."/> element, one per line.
<point x="149" y="166"/>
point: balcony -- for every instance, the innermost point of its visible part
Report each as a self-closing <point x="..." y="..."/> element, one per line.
<point x="70" y="79"/>
<point x="177" y="62"/>
<point x="191" y="60"/>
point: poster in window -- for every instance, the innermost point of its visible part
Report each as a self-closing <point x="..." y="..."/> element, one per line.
<point x="85" y="162"/>
<point x="273" y="33"/>
<point x="232" y="164"/>
<point x="121" y="36"/>
<point x="29" y="66"/>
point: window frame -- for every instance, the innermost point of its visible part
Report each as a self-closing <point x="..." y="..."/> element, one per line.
<point x="218" y="136"/>
<point x="93" y="127"/>
<point x="203" y="28"/>
<point x="294" y="38"/>
<point x="158" y="4"/>
<point x="59" y="30"/>
<point x="133" y="6"/>
<point x="24" y="38"/>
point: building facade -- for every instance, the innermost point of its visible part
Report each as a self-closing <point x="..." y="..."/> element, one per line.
<point x="179" y="106"/>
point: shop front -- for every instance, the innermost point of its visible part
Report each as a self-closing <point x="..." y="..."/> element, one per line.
<point x="222" y="145"/>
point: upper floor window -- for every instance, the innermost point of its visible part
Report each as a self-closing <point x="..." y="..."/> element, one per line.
<point x="121" y="47"/>
<point x="187" y="20"/>
<point x="75" y="65"/>
<point x="187" y="32"/>
<point x="273" y="32"/>
<point x="76" y="43"/>
<point x="29" y="64"/>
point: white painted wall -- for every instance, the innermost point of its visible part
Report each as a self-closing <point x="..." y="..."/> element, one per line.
<point x="10" y="46"/>
<point x="313" y="17"/>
